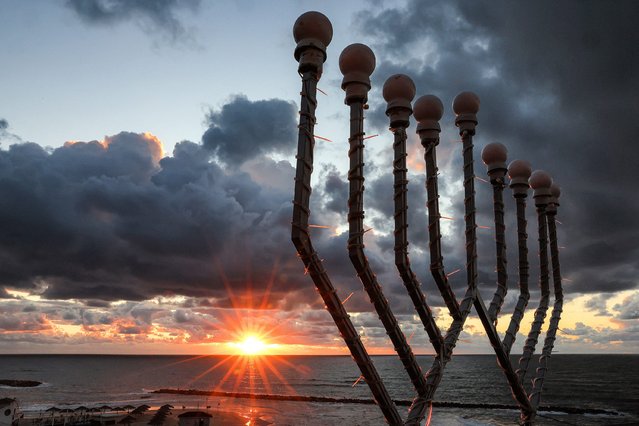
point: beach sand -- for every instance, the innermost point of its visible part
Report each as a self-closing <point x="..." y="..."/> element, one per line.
<point x="260" y="412"/>
<point x="219" y="417"/>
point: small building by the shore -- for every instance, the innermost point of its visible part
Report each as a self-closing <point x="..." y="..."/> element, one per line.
<point x="194" y="418"/>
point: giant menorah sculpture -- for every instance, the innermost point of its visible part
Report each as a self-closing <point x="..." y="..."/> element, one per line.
<point x="313" y="32"/>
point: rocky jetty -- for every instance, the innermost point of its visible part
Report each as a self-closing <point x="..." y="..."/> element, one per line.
<point x="19" y="383"/>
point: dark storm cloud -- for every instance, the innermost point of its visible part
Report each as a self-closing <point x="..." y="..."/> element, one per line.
<point x="97" y="303"/>
<point x="4" y="124"/>
<point x="110" y="220"/>
<point x="162" y="15"/>
<point x="335" y="191"/>
<point x="242" y="129"/>
<point x="558" y="87"/>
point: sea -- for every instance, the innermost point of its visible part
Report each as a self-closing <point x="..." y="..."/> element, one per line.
<point x="604" y="382"/>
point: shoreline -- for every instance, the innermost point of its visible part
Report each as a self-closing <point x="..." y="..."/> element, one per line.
<point x="405" y="403"/>
<point x="219" y="416"/>
<point x="274" y="412"/>
<point x="231" y="409"/>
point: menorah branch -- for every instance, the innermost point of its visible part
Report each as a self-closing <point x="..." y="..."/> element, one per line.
<point x="358" y="257"/>
<point x="357" y="62"/>
<point x="428" y="111"/>
<point x="434" y="231"/>
<point x="540" y="312"/>
<point x="553" y="326"/>
<point x="500" y="247"/>
<point x="313" y="264"/>
<point x="402" y="261"/>
<point x="494" y="156"/>
<point x="313" y="32"/>
<point x="524" y="294"/>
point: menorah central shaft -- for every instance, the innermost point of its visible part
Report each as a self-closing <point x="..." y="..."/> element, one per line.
<point x="428" y="111"/>
<point x="435" y="373"/>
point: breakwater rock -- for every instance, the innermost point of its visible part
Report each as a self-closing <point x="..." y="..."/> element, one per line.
<point x="19" y="383"/>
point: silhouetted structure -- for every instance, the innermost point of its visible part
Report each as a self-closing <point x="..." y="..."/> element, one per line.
<point x="313" y="33"/>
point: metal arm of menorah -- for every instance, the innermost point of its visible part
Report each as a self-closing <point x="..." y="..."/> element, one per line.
<point x="428" y="110"/>
<point x="399" y="91"/>
<point x="540" y="182"/>
<point x="494" y="156"/>
<point x="546" y="197"/>
<point x="553" y="326"/>
<point x="357" y="63"/>
<point x="519" y="172"/>
<point x="313" y="32"/>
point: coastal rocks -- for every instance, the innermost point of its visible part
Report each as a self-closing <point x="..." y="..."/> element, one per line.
<point x="19" y="383"/>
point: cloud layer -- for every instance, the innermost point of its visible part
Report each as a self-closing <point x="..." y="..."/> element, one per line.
<point x="114" y="219"/>
<point x="120" y="240"/>
<point x="557" y="87"/>
<point x="156" y="15"/>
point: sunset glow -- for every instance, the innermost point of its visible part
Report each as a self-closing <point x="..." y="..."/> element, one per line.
<point x="251" y="345"/>
<point x="342" y="213"/>
<point x="144" y="221"/>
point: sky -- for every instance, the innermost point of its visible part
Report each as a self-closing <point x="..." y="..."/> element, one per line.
<point x="147" y="161"/>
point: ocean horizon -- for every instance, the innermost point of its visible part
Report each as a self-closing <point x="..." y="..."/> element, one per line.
<point x="473" y="382"/>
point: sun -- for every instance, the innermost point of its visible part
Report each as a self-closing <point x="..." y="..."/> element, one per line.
<point x="251" y="345"/>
